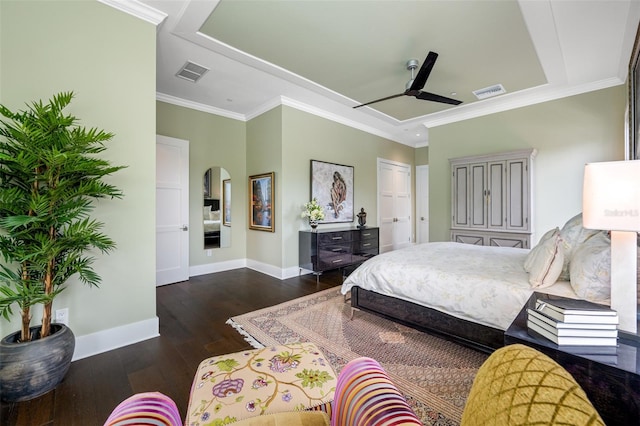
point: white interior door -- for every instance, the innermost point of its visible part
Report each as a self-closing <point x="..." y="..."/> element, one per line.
<point x="394" y="205"/>
<point x="422" y="203"/>
<point x="172" y="210"/>
<point x="402" y="206"/>
<point x="386" y="217"/>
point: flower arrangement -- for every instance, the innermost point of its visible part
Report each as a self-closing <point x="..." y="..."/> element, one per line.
<point x="313" y="211"/>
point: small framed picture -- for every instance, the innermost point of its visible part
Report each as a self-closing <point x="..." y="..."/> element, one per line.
<point x="226" y="202"/>
<point x="261" y="202"/>
<point x="332" y="186"/>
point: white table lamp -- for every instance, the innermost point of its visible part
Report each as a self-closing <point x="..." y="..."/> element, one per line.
<point x="611" y="201"/>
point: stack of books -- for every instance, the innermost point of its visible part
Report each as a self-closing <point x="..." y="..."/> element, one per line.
<point x="573" y="322"/>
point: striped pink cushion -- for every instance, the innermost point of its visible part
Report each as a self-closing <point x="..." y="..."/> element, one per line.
<point x="148" y="408"/>
<point x="365" y="396"/>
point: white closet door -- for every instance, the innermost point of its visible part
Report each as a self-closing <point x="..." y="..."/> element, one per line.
<point x="394" y="205"/>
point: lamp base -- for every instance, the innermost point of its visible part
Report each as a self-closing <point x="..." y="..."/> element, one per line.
<point x="623" y="279"/>
<point x="626" y="335"/>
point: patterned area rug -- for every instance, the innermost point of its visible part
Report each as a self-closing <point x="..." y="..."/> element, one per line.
<point x="435" y="375"/>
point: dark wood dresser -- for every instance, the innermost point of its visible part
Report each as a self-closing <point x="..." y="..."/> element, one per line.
<point x="327" y="249"/>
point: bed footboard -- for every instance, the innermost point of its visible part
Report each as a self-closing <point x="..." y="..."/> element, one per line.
<point x="481" y="337"/>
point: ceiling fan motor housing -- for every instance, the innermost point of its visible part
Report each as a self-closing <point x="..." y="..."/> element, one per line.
<point x="412" y="64"/>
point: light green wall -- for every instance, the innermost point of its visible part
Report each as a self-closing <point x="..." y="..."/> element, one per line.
<point x="213" y="141"/>
<point x="422" y="156"/>
<point x="567" y="133"/>
<point x="308" y="137"/>
<point x="282" y="140"/>
<point x="264" y="155"/>
<point x="48" y="47"/>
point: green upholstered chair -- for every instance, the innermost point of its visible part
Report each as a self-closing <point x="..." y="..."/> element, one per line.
<point x="518" y="385"/>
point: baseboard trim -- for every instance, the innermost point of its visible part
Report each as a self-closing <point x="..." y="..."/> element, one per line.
<point x="117" y="337"/>
<point x="265" y="268"/>
<point x="114" y="338"/>
<point x="293" y="271"/>
<point x="210" y="268"/>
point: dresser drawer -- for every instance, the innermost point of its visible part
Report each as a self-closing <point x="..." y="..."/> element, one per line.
<point x="365" y="245"/>
<point x="334" y="237"/>
<point x="334" y="255"/>
<point x="362" y="255"/>
<point x="366" y="234"/>
<point x="334" y="262"/>
<point x="332" y="250"/>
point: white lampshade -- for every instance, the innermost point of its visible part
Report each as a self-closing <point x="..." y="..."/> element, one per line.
<point x="611" y="201"/>
<point x="611" y="196"/>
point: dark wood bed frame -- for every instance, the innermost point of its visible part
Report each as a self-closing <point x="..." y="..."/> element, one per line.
<point x="477" y="336"/>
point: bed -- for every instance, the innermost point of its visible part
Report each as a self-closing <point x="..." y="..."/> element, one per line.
<point x="472" y="293"/>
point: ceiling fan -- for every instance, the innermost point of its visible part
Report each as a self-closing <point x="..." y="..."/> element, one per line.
<point x="415" y="85"/>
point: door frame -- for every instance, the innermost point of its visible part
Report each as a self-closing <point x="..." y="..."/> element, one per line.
<point x="421" y="193"/>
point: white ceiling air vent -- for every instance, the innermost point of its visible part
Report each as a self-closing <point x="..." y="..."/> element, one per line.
<point x="488" y="92"/>
<point x="192" y="71"/>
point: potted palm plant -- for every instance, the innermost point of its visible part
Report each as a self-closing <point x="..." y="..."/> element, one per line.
<point x="50" y="175"/>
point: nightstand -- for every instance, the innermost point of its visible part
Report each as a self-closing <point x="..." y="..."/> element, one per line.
<point x="612" y="384"/>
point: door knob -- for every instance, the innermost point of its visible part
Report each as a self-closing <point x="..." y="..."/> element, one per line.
<point x="185" y="228"/>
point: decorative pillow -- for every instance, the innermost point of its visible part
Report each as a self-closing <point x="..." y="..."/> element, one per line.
<point x="573" y="234"/>
<point x="546" y="261"/>
<point x="528" y="262"/>
<point x="214" y="215"/>
<point x="590" y="268"/>
<point x="206" y="210"/>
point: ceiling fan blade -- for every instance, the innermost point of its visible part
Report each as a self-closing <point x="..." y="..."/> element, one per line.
<point x="382" y="99"/>
<point x="425" y="70"/>
<point x="437" y="98"/>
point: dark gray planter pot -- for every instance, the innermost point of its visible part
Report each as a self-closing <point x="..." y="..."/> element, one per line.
<point x="31" y="369"/>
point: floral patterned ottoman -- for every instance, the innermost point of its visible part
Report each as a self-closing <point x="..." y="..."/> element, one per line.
<point x="232" y="387"/>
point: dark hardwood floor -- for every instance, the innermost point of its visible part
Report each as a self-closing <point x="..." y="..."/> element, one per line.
<point x="192" y="327"/>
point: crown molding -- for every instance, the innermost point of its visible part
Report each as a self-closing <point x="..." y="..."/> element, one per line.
<point x="267" y="106"/>
<point x="163" y="97"/>
<point x="340" y="119"/>
<point x="533" y="96"/>
<point x="137" y="9"/>
<point x="274" y="103"/>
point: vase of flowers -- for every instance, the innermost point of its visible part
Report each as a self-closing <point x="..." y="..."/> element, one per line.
<point x="314" y="212"/>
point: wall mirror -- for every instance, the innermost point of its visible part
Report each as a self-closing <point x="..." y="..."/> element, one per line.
<point x="216" y="208"/>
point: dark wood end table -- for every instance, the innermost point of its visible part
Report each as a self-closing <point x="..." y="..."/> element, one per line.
<point x="612" y="382"/>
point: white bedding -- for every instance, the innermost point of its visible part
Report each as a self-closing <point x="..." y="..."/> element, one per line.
<point x="483" y="284"/>
<point x="211" y="225"/>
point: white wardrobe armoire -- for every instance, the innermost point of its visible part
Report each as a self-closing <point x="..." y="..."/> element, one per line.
<point x="491" y="199"/>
